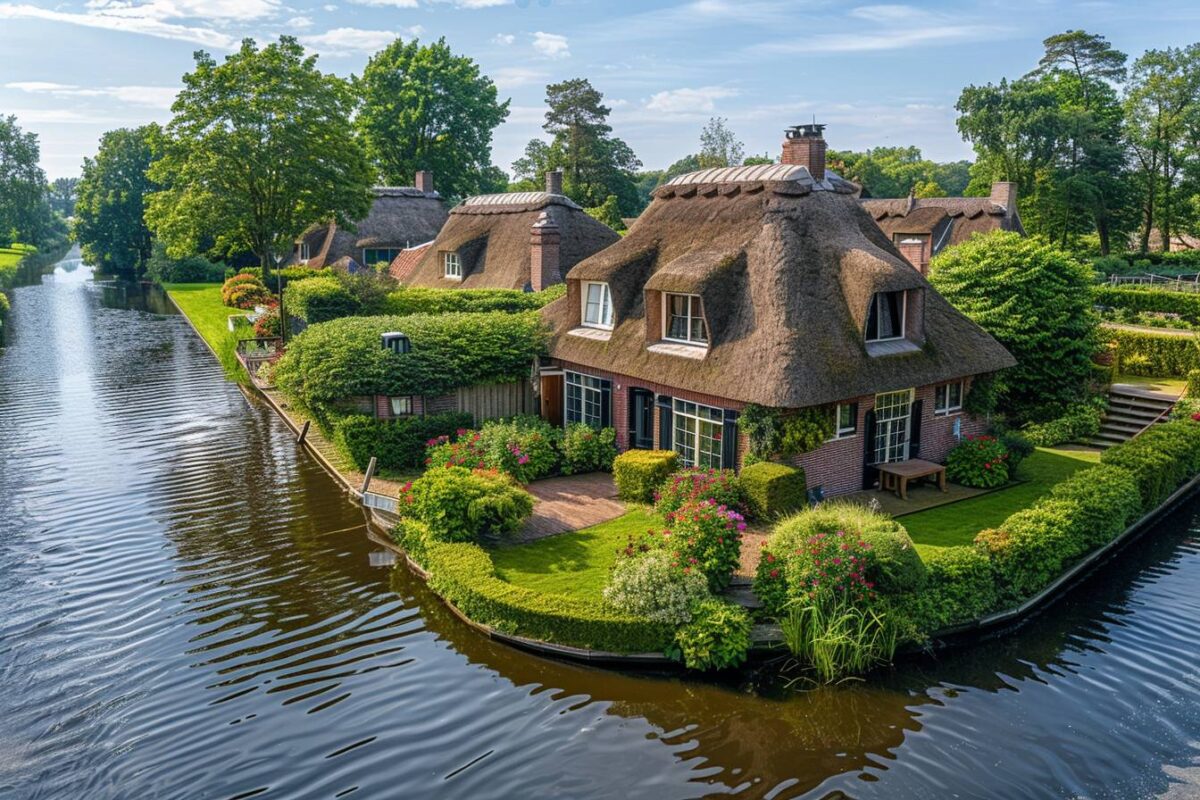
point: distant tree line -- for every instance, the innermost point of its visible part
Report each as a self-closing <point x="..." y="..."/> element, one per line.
<point x="27" y="215"/>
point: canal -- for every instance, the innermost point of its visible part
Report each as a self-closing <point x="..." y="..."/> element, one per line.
<point x="190" y="608"/>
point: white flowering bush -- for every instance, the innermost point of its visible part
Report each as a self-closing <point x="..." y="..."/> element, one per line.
<point x="654" y="585"/>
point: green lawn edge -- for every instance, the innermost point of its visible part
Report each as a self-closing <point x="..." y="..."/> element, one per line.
<point x="201" y="304"/>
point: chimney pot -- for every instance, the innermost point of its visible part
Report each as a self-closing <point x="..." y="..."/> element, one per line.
<point x="554" y="181"/>
<point x="425" y="181"/>
<point x="804" y="145"/>
<point x="544" y="253"/>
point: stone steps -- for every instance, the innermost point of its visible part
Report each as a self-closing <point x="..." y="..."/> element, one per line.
<point x="1128" y="413"/>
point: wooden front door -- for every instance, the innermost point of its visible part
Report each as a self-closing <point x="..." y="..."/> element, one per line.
<point x="552" y="399"/>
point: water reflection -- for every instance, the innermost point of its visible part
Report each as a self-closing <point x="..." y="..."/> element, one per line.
<point x="192" y="608"/>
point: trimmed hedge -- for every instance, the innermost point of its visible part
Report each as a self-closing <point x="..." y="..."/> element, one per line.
<point x="1080" y="421"/>
<point x="773" y="489"/>
<point x="318" y="299"/>
<point x="1107" y="499"/>
<point x="397" y="444"/>
<point x="1185" y="304"/>
<point x="1160" y="459"/>
<point x="422" y="300"/>
<point x="461" y="505"/>
<point x="1031" y="547"/>
<point x="638" y="473"/>
<point x="961" y="585"/>
<point x="1153" y="355"/>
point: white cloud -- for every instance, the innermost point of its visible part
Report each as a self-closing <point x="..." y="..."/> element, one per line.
<point x="678" y="101"/>
<point x="299" y="23"/>
<point x="150" y="96"/>
<point x="347" y="41"/>
<point x="479" y="3"/>
<point x="59" y="116"/>
<point x="887" y="13"/>
<point x="900" y="27"/>
<point x="329" y="7"/>
<point x="503" y="38"/>
<point x="124" y="22"/>
<point x="386" y="3"/>
<point x="551" y="45"/>
<point x="186" y="9"/>
<point x="512" y="77"/>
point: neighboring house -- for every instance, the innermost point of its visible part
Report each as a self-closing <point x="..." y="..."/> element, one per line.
<point x="767" y="285"/>
<point x="920" y="228"/>
<point x="1178" y="244"/>
<point x="518" y="240"/>
<point x="400" y="217"/>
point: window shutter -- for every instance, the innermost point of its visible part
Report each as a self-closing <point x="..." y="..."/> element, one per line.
<point x="729" y="439"/>
<point x="605" y="404"/>
<point x="870" y="474"/>
<point x="854" y="415"/>
<point x="665" y="428"/>
<point x="914" y="436"/>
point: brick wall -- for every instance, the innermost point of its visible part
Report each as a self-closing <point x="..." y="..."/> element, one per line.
<point x="383" y="406"/>
<point x="441" y="404"/>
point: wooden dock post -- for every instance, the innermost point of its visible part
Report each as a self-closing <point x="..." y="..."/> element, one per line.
<point x="370" y="474"/>
<point x="303" y="432"/>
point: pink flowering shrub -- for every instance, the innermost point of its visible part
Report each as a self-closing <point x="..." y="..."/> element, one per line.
<point x="699" y="483"/>
<point x="705" y="536"/>
<point x="524" y="447"/>
<point x="832" y="567"/>
<point x="979" y="461"/>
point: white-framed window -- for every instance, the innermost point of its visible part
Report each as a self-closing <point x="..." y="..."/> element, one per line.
<point x="697" y="434"/>
<point x="684" y="319"/>
<point x="587" y="400"/>
<point x="401" y="406"/>
<point x="452" y="266"/>
<point x="597" y="306"/>
<point x="845" y="420"/>
<point x="885" y="317"/>
<point x="303" y="254"/>
<point x="893" y="412"/>
<point x="948" y="398"/>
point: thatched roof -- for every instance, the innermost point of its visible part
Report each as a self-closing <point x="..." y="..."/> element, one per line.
<point x="786" y="267"/>
<point x="949" y="220"/>
<point x="491" y="234"/>
<point x="400" y="217"/>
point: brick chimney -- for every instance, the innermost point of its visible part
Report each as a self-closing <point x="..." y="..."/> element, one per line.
<point x="1004" y="193"/>
<point x="554" y="181"/>
<point x="544" y="251"/>
<point x="913" y="251"/>
<point x="425" y="181"/>
<point x="805" y="147"/>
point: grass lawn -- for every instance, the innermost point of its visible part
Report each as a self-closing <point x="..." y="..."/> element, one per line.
<point x="572" y="563"/>
<point x="9" y="258"/>
<point x="201" y="303"/>
<point x="1168" y="385"/>
<point x="957" y="523"/>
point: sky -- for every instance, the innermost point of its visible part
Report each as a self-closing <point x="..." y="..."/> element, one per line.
<point x="876" y="74"/>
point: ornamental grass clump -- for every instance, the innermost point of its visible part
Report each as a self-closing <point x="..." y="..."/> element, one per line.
<point x="705" y="536"/>
<point x="978" y="461"/>
<point x="700" y="483"/>
<point x="654" y="585"/>
<point x="837" y="639"/>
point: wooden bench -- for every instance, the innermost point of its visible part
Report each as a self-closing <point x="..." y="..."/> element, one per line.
<point x="894" y="477"/>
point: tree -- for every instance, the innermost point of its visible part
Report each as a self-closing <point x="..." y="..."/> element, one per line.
<point x="62" y="194"/>
<point x="25" y="214"/>
<point x="110" y="212"/>
<point x="1035" y="299"/>
<point x="719" y="147"/>
<point x="897" y="171"/>
<point x="423" y="107"/>
<point x="608" y="212"/>
<point x="259" y="147"/>
<point x="595" y="163"/>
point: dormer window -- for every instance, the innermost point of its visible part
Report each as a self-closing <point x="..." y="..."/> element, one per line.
<point x="684" y="320"/>
<point x="885" y="317"/>
<point x="597" y="306"/>
<point x="452" y="266"/>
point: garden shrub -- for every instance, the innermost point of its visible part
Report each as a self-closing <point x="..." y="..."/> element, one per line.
<point x="464" y="575"/>
<point x="255" y="272"/>
<point x="961" y="586"/>
<point x="655" y="586"/>
<point x="268" y="323"/>
<point x="1165" y="301"/>
<point x="1160" y="459"/>
<point x="343" y="358"/>
<point x="704" y="535"/>
<point x="1080" y="421"/>
<point x="1019" y="447"/>
<point x="319" y="299"/>
<point x="772" y="490"/>
<point x="5" y="305"/>
<point x="699" y="483"/>
<point x="396" y="444"/>
<point x="421" y="300"/>
<point x="524" y="447"/>
<point x="1192" y="391"/>
<point x="718" y="637"/>
<point x="638" y="473"/>
<point x="1107" y="498"/>
<point x="978" y="461"/>
<point x="1110" y="265"/>
<point x="161" y="268"/>
<point x="1153" y="355"/>
<point x="893" y="564"/>
<point x="585" y="449"/>
<point x="1032" y="546"/>
<point x="461" y="505"/>
<point x="244" y="291"/>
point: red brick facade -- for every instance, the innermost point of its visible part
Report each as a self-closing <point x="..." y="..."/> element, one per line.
<point x="837" y="467"/>
<point x="383" y="406"/>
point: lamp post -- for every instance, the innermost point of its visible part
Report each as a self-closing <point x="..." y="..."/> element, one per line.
<point x="279" y="289"/>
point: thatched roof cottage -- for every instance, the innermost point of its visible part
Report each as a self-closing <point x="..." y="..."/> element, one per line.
<point x="765" y="285"/>
<point x="517" y="240"/>
<point x="923" y="227"/>
<point x="400" y="217"/>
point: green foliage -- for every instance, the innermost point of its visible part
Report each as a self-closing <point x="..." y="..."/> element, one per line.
<point x="396" y="444"/>
<point x="893" y="564"/>
<point x="25" y="214"/>
<point x="896" y="171"/>
<point x="463" y="574"/>
<point x="1036" y="301"/>
<point x="1032" y="546"/>
<point x="425" y="108"/>
<point x="961" y="586"/>
<point x="775" y="432"/>
<point x="422" y="300"/>
<point x="979" y="461"/>
<point x="244" y="291"/>
<point x="1080" y="421"/>
<point x="5" y="305"/>
<point x="835" y="639"/>
<point x="718" y="637"/>
<point x="318" y="299"/>
<point x="638" y="473"/>
<point x="1154" y="355"/>
<point x="161" y="268"/>
<point x="706" y="536"/>
<point x="700" y="483"/>
<point x="1160" y="459"/>
<point x="343" y="358"/>
<point x="1110" y="265"/>
<point x="1185" y="304"/>
<point x="1192" y="391"/>
<point x="763" y="427"/>
<point x="608" y="212"/>
<point x="1106" y="499"/>
<point x="109" y="214"/>
<point x="525" y="447"/>
<point x="259" y="146"/>
<point x="654" y="585"/>
<point x="1018" y="446"/>
<point x="585" y="449"/>
<point x="773" y="490"/>
<point x="461" y="505"/>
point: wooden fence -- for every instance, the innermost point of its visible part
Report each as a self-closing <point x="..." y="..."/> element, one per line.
<point x="494" y="400"/>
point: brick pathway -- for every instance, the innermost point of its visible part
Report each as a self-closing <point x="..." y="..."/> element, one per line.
<point x="571" y="503"/>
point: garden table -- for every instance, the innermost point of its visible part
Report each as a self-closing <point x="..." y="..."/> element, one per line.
<point x="894" y="477"/>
